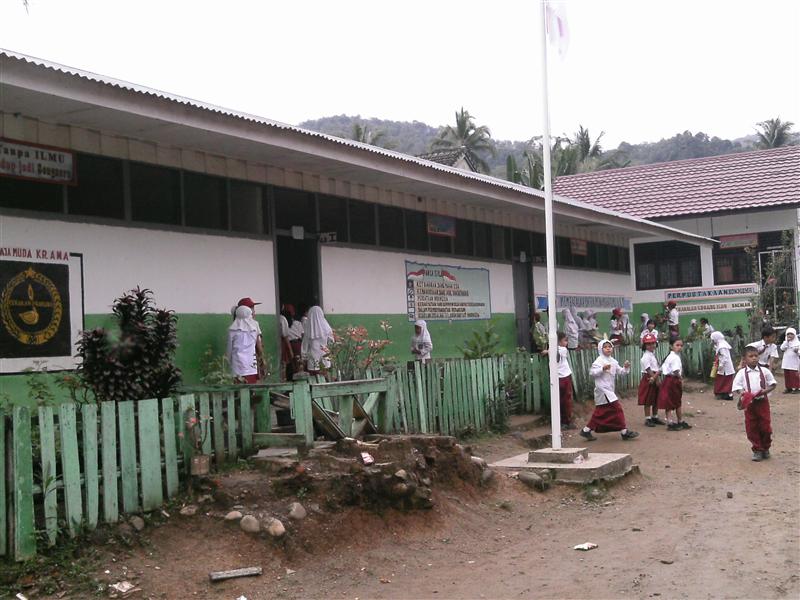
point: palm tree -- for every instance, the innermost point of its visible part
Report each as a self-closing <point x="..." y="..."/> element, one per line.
<point x="473" y="139"/>
<point x="774" y="133"/>
<point x="586" y="148"/>
<point x="363" y="133"/>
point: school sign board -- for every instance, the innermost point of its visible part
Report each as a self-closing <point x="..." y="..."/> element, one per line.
<point x="447" y="293"/>
<point x="586" y="301"/>
<point x="720" y="298"/>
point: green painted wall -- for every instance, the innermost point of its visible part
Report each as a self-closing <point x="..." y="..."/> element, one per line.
<point x="446" y="336"/>
<point x="195" y="333"/>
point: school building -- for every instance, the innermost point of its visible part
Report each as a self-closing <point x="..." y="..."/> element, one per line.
<point x="748" y="202"/>
<point x="106" y="185"/>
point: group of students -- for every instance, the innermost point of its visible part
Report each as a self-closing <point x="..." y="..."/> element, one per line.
<point x="303" y="341"/>
<point x="661" y="386"/>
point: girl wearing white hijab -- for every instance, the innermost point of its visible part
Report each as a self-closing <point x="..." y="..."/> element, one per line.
<point x="608" y="414"/>
<point x="643" y="325"/>
<point x="245" y="349"/>
<point x="723" y="382"/>
<point x="317" y="334"/>
<point x="571" y="329"/>
<point x="421" y="344"/>
<point x="791" y="361"/>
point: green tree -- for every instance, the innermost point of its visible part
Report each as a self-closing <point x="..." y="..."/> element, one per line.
<point x="476" y="140"/>
<point x="774" y="133"/>
<point x="587" y="149"/>
<point x="365" y="135"/>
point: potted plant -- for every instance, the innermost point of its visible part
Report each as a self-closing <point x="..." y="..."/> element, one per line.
<point x="198" y="432"/>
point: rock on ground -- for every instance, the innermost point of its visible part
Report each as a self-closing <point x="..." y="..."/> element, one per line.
<point x="296" y="511"/>
<point x="250" y="524"/>
<point x="234" y="515"/>
<point x="275" y="528"/>
<point x="137" y="522"/>
<point x="189" y="510"/>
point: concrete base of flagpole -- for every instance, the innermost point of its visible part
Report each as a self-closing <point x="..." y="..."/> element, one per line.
<point x="570" y="465"/>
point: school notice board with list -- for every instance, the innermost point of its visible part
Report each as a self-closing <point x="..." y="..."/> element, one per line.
<point x="447" y="293"/>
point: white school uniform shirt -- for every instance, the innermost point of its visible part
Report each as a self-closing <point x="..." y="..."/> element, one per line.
<point x="604" y="381"/>
<point x="673" y="316"/>
<point x="671" y="364"/>
<point x="296" y="331"/>
<point x="791" y="355"/>
<point x="284" y="326"/>
<point x="615" y="326"/>
<point x="564" y="369"/>
<point x="755" y="379"/>
<point x="765" y="352"/>
<point x="725" y="364"/>
<point x="649" y="361"/>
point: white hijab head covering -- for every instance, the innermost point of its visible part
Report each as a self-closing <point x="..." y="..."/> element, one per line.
<point x="568" y="318"/>
<point x="600" y="345"/>
<point x="719" y="340"/>
<point x="423" y="336"/>
<point x="317" y="326"/>
<point x="244" y="321"/>
<point x="645" y="318"/>
<point x="788" y="331"/>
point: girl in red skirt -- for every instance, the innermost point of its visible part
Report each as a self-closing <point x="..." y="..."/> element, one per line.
<point x="791" y="362"/>
<point x="608" y="414"/>
<point x="648" y="386"/>
<point x="723" y="382"/>
<point x="671" y="392"/>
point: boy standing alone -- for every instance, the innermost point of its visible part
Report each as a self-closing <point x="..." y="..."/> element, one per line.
<point x="751" y="386"/>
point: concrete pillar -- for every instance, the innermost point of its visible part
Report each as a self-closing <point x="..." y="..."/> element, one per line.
<point x="706" y="267"/>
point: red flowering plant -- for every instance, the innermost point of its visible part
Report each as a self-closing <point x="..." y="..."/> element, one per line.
<point x="353" y="351"/>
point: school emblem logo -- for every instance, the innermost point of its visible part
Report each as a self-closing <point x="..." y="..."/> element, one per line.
<point x="34" y="310"/>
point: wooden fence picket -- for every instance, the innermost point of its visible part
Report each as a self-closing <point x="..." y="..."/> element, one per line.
<point x="49" y="470"/>
<point x="150" y="454"/>
<point x="170" y="448"/>
<point x="91" y="483"/>
<point x="108" y="423"/>
<point x="22" y="465"/>
<point x="70" y="467"/>
<point x="3" y="507"/>
<point x="218" y="428"/>
<point x="127" y="456"/>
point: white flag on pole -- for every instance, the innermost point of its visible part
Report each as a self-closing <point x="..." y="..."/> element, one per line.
<point x="556" y="25"/>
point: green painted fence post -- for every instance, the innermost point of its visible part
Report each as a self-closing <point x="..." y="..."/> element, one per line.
<point x="49" y="471"/>
<point x="108" y="416"/>
<point x="217" y="425"/>
<point x="91" y="484"/>
<point x="421" y="400"/>
<point x="70" y="467"/>
<point x="127" y="456"/>
<point x="3" y="507"/>
<point x="22" y="469"/>
<point x="170" y="446"/>
<point x="301" y="403"/>
<point x="150" y="454"/>
<point x="246" y="419"/>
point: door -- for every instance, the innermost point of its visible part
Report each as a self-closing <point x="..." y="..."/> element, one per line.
<point x="298" y="271"/>
<point x="522" y="275"/>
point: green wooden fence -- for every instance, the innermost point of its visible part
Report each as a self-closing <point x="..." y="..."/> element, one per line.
<point x="69" y="467"/>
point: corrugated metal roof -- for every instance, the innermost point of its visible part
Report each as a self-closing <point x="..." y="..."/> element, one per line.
<point x="632" y="222"/>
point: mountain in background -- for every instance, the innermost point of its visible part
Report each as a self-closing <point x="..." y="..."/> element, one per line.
<point x="415" y="138"/>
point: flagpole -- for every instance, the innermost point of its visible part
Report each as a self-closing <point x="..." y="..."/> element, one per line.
<point x="552" y="318"/>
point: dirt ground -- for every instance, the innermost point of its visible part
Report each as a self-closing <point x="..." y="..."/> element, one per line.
<point x="669" y="531"/>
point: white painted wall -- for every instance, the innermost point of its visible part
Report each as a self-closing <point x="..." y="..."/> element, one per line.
<point x="188" y="273"/>
<point x="755" y="222"/>
<point x="578" y="281"/>
<point x="357" y="281"/>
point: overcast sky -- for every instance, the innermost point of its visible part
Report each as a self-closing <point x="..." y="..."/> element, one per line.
<point x="638" y="69"/>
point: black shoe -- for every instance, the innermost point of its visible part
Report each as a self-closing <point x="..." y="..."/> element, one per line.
<point x="757" y="456"/>
<point x="649" y="423"/>
<point x="765" y="454"/>
<point x="568" y="426"/>
<point x="674" y="427"/>
<point x="727" y="397"/>
<point x="587" y="435"/>
<point x="684" y="425"/>
<point x="657" y="421"/>
<point x="787" y="391"/>
<point x="629" y="435"/>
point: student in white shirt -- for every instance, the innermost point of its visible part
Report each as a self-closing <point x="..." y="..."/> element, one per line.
<point x="648" y="386"/>
<point x="316" y="337"/>
<point x="649" y="328"/>
<point x="725" y="371"/>
<point x="608" y="414"/>
<point x="751" y="387"/>
<point x="791" y="361"/>
<point x="705" y="327"/>
<point x="615" y="326"/>
<point x="421" y="344"/>
<point x="570" y="328"/>
<point x="767" y="350"/>
<point x="244" y="349"/>
<point x="673" y="320"/>
<point x="564" y="382"/>
<point x="671" y="393"/>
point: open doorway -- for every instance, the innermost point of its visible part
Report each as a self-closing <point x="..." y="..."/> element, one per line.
<point x="298" y="271"/>
<point x="522" y="280"/>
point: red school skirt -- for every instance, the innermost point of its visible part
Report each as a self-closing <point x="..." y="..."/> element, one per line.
<point x="648" y="392"/>
<point x="791" y="379"/>
<point x="670" y="393"/>
<point x="607" y="417"/>
<point x="565" y="398"/>
<point x="723" y="384"/>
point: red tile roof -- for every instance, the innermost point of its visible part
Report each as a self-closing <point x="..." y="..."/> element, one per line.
<point x="747" y="180"/>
